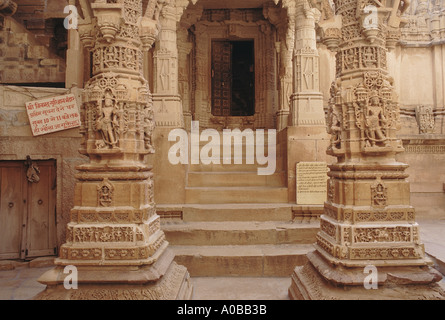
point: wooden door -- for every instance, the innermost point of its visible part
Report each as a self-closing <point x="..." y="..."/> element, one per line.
<point x="221" y="78"/>
<point x="27" y="210"/>
<point x="233" y="78"/>
<point x="11" y="210"/>
<point x="41" y="229"/>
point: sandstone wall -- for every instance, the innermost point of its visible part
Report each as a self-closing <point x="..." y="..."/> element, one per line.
<point x="24" y="59"/>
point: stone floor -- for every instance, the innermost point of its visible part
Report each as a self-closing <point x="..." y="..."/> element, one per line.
<point x="20" y="283"/>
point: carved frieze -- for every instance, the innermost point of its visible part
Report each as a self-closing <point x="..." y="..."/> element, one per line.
<point x="83" y="234"/>
<point x="361" y="57"/>
<point x="425" y="149"/>
<point x="113" y="215"/>
<point x="386" y="214"/>
<point x="112" y="57"/>
<point x="328" y="228"/>
<point x="383" y="234"/>
<point x="386" y="253"/>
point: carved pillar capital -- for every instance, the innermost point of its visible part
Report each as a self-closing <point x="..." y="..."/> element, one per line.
<point x="148" y="33"/>
<point x="305" y="20"/>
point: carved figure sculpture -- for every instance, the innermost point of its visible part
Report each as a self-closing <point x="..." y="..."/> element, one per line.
<point x="375" y="121"/>
<point x="379" y="196"/>
<point x="335" y="128"/>
<point x="107" y="122"/>
<point x="149" y="126"/>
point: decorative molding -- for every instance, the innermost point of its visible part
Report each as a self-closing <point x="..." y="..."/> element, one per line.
<point x="425" y="149"/>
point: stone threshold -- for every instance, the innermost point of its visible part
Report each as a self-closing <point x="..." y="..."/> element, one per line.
<point x="41" y="262"/>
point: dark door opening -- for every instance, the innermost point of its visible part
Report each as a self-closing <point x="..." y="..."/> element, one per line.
<point x="233" y="78"/>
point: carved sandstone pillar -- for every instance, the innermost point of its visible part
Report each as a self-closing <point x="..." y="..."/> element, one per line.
<point x="184" y="50"/>
<point x="307" y="100"/>
<point x="368" y="223"/>
<point x="187" y="18"/>
<point x="283" y="18"/>
<point x="114" y="237"/>
<point x="167" y="101"/>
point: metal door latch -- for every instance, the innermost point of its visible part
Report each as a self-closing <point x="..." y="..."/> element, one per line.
<point x="32" y="173"/>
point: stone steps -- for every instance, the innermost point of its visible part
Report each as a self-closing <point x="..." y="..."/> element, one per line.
<point x="238" y="239"/>
<point x="206" y="195"/>
<point x="226" y="168"/>
<point x="244" y="260"/>
<point x="228" y="212"/>
<point x="235" y="179"/>
<point x="240" y="233"/>
<point x="237" y="161"/>
<point x="236" y="222"/>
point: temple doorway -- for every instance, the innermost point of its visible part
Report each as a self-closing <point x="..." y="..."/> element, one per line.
<point x="233" y="78"/>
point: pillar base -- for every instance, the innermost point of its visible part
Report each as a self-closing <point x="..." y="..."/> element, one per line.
<point x="319" y="280"/>
<point x="164" y="280"/>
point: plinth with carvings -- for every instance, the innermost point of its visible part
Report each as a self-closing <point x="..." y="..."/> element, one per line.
<point x="368" y="236"/>
<point x="114" y="238"/>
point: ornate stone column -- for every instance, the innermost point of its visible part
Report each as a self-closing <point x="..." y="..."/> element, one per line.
<point x="307" y="100"/>
<point x="187" y="17"/>
<point x="167" y="102"/>
<point x="306" y="129"/>
<point x="185" y="53"/>
<point x="202" y="111"/>
<point x="368" y="225"/>
<point x="114" y="237"/>
<point x="184" y="50"/>
<point x="283" y="18"/>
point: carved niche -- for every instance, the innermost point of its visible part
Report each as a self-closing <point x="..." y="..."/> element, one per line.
<point x="105" y="194"/>
<point x="379" y="194"/>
